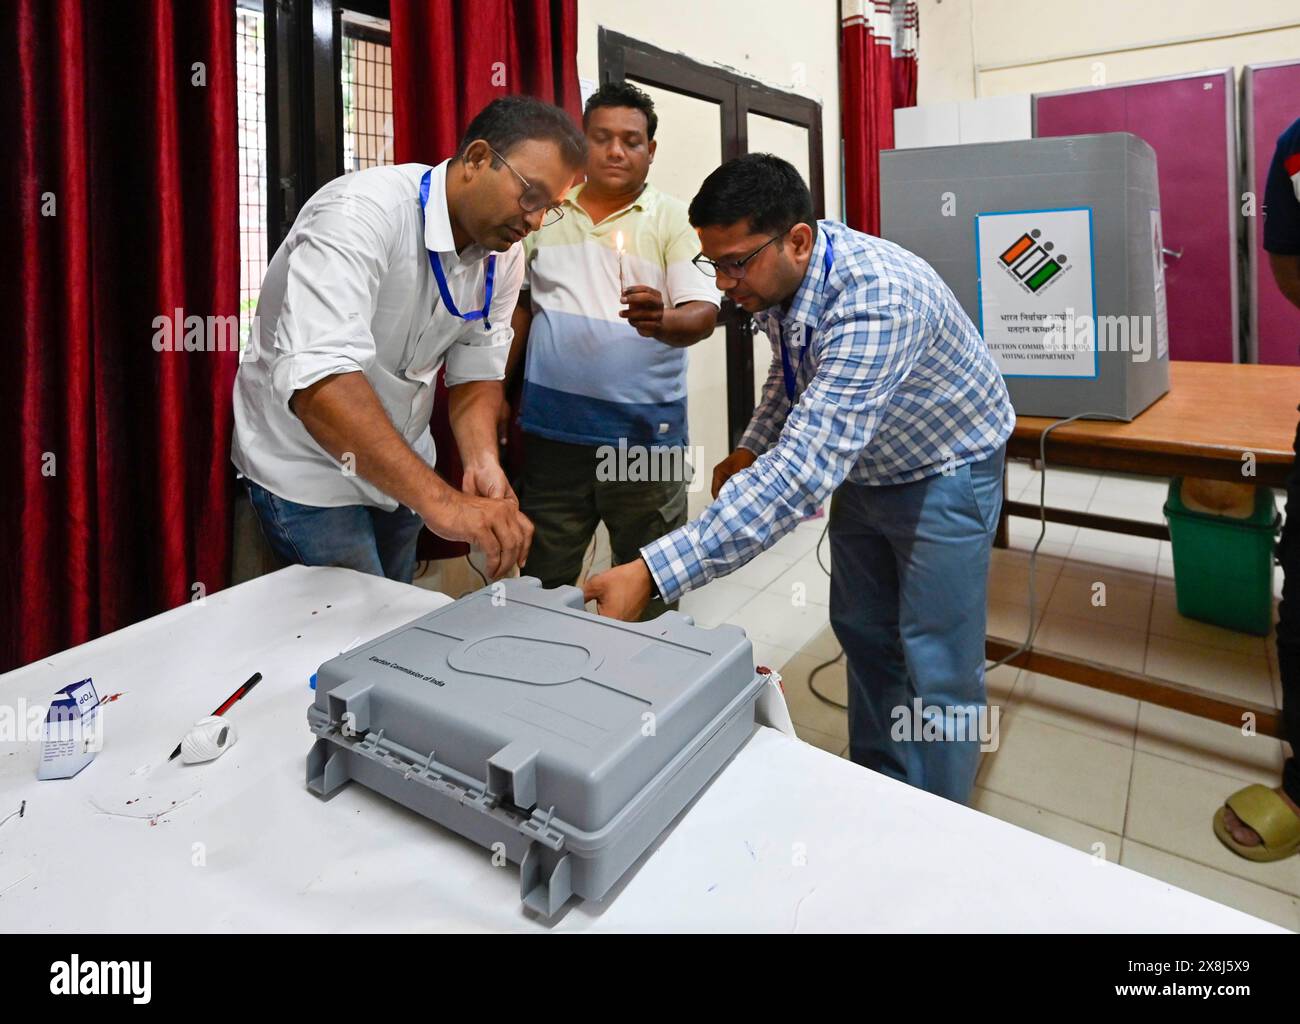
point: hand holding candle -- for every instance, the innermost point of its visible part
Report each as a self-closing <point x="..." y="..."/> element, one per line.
<point x="645" y="310"/>
<point x="645" y="305"/>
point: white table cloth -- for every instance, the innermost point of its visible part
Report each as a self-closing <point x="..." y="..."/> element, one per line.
<point x="787" y="837"/>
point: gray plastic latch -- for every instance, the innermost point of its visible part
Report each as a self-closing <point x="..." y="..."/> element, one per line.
<point x="512" y="775"/>
<point x="326" y="768"/>
<point x="545" y="879"/>
<point x="570" y="597"/>
<point x="349" y="707"/>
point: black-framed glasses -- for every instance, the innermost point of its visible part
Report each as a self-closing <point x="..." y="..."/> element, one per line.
<point x="534" y="197"/>
<point x="734" y="269"/>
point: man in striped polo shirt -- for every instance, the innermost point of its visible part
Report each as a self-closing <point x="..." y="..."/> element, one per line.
<point x="612" y="303"/>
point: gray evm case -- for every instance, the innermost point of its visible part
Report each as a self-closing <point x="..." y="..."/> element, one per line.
<point x="514" y="716"/>
<point x="1114" y="176"/>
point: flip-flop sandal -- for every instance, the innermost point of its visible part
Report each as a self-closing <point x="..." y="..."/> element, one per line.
<point x="1261" y="809"/>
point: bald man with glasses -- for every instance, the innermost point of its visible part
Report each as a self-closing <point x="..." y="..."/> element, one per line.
<point x="388" y="275"/>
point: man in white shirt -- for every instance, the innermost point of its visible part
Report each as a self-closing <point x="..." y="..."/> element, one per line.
<point x="386" y="275"/>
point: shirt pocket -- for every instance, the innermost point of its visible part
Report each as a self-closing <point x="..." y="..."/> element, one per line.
<point x="438" y="335"/>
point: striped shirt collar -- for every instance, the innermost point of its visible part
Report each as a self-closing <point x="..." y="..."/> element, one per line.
<point x="806" y="306"/>
<point x="645" y="202"/>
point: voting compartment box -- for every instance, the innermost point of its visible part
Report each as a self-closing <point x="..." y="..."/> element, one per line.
<point x="1053" y="247"/>
<point x="514" y="717"/>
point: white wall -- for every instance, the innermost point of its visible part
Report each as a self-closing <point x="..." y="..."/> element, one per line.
<point x="772" y="40"/>
<point x="970" y="48"/>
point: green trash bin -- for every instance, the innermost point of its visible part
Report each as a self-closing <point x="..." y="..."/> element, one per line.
<point x="1223" y="567"/>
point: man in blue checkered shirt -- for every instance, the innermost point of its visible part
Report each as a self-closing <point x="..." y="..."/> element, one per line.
<point x="883" y="393"/>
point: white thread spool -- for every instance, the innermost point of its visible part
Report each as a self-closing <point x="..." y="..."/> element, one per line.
<point x="209" y="739"/>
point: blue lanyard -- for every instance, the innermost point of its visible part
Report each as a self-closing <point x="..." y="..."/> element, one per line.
<point x="436" y="264"/>
<point x="787" y="370"/>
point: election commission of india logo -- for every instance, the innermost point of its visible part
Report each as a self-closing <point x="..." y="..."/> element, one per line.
<point x="1031" y="262"/>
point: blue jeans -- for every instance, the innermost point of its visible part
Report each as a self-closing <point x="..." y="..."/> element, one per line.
<point x="352" y="536"/>
<point x="909" y="581"/>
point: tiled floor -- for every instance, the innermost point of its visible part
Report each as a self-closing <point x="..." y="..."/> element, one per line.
<point x="1081" y="766"/>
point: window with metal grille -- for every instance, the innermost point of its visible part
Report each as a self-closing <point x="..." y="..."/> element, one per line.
<point x="367" y="81"/>
<point x="250" y="62"/>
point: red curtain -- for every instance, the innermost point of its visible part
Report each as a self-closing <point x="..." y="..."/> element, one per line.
<point x="122" y="175"/>
<point x="877" y="75"/>
<point x="450" y="59"/>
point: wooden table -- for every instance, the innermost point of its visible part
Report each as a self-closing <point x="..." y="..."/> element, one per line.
<point x="1218" y="421"/>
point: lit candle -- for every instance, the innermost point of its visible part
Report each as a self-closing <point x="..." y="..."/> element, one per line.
<point x="622" y="276"/>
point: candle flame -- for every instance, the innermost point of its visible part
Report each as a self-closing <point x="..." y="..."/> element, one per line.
<point x="618" y="241"/>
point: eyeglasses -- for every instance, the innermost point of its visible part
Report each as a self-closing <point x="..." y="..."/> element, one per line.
<point x="534" y="197"/>
<point x="734" y="269"/>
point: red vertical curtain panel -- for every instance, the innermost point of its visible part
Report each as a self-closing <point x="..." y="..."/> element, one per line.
<point x="450" y="59"/>
<point x="877" y="75"/>
<point x="122" y="181"/>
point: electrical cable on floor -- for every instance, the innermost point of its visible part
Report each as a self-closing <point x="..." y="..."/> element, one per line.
<point x="1033" y="558"/>
<point x="1042" y="530"/>
<point x="825" y="664"/>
